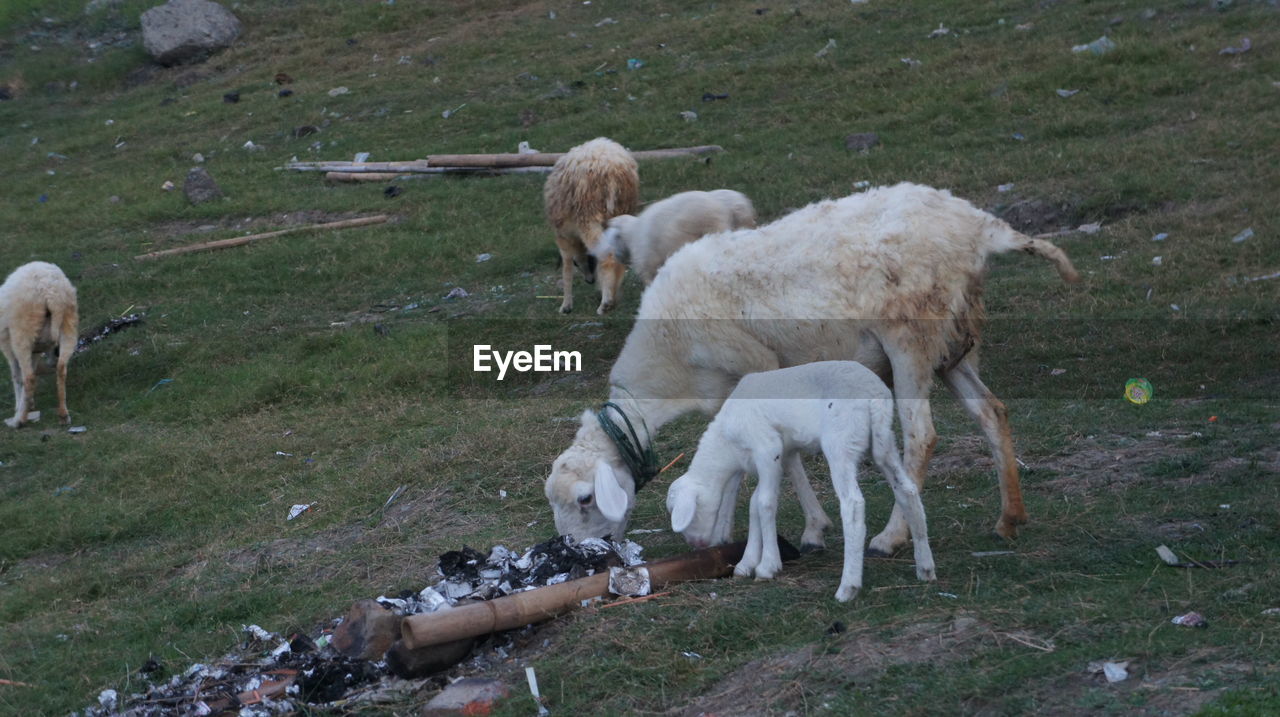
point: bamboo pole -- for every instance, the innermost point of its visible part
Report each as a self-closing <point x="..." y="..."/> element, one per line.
<point x="444" y="163"/>
<point x="544" y="603"/>
<point x="237" y="241"/>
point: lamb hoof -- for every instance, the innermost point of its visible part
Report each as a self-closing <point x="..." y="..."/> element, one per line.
<point x="845" y="594"/>
<point x="874" y="552"/>
<point x="12" y="423"/>
<point x="64" y="419"/>
<point x="806" y="548"/>
<point x="605" y="308"/>
<point x="566" y="308"/>
<point x="926" y="574"/>
<point x="743" y="571"/>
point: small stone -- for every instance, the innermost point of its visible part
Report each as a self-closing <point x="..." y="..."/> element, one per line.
<point x="367" y="632"/>
<point x="200" y="187"/>
<point x="468" y="696"/>
<point x="231" y="98"/>
<point x="861" y="141"/>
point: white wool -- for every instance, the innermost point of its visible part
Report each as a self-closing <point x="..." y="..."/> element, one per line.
<point x="37" y="314"/>
<point x="838" y="407"/>
<point x="890" y="278"/>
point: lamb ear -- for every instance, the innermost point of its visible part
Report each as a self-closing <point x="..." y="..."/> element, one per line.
<point x="682" y="512"/>
<point x="610" y="497"/>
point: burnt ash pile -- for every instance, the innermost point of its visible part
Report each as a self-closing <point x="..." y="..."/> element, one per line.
<point x="108" y="328"/>
<point x="269" y="675"/>
<point x="469" y="574"/>
<point x="266" y="675"/>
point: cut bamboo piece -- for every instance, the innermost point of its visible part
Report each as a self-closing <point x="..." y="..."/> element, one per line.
<point x="237" y="241"/>
<point x="544" y="603"/>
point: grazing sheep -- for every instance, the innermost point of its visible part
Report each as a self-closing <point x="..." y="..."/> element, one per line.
<point x="37" y="314"/>
<point x="838" y="407"/>
<point x="645" y="242"/>
<point x="589" y="185"/>
<point x="890" y="278"/>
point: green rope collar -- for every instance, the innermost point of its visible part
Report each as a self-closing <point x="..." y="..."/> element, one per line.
<point x="641" y="461"/>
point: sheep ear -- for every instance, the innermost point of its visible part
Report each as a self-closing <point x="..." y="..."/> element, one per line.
<point x="682" y="510"/>
<point x="610" y="497"/>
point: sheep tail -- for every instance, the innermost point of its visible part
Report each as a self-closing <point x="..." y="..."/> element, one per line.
<point x="1006" y="239"/>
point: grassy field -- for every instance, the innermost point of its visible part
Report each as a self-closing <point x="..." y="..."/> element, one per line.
<point x="162" y="530"/>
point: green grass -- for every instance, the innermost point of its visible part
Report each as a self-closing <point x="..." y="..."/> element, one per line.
<point x="162" y="529"/>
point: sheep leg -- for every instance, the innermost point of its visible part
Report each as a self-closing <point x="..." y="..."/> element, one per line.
<point x="24" y="388"/>
<point x="66" y="347"/>
<point x="991" y="414"/>
<point x="765" y="503"/>
<point x="815" y="520"/>
<point x="750" y="554"/>
<point x="853" y="519"/>
<point x="611" y="271"/>
<point x="566" y="270"/>
<point x="723" y="530"/>
<point x="19" y="402"/>
<point x="911" y="383"/>
<point x="906" y="495"/>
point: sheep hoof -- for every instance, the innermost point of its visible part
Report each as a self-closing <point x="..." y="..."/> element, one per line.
<point x="12" y="423"/>
<point x="874" y="552"/>
<point x="605" y="308"/>
<point x="1007" y="526"/>
<point x="847" y="593"/>
<point x="926" y="574"/>
<point x="806" y="548"/>
<point x="743" y="571"/>
<point x="566" y="308"/>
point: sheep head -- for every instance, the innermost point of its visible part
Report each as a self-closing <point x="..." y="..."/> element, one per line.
<point x="702" y="508"/>
<point x="590" y="492"/>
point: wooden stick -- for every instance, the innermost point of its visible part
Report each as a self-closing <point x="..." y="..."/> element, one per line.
<point x="357" y="174"/>
<point x="520" y="609"/>
<point x="546" y="159"/>
<point x="628" y="601"/>
<point x="15" y="683"/>
<point x="445" y="163"/>
<point x="237" y="241"/>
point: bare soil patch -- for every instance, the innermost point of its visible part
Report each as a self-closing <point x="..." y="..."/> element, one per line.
<point x="778" y="683"/>
<point x="1176" y="689"/>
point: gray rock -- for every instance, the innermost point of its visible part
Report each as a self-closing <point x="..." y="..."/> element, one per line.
<point x="861" y="142"/>
<point x="183" y="31"/>
<point x="200" y="187"/>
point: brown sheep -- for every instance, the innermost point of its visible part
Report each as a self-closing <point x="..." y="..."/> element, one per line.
<point x="589" y="185"/>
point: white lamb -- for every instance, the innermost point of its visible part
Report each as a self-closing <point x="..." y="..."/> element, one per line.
<point x="645" y="242"/>
<point x="838" y="407"/>
<point x="37" y="314"/>
<point x="890" y="278"/>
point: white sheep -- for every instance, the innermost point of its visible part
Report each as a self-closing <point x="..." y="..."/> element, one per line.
<point x="37" y="314"/>
<point x="644" y="242"/>
<point x="592" y="183"/>
<point x="838" y="407"/>
<point x="890" y="278"/>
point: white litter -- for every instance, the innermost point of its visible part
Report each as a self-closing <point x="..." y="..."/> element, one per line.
<point x="299" y="509"/>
